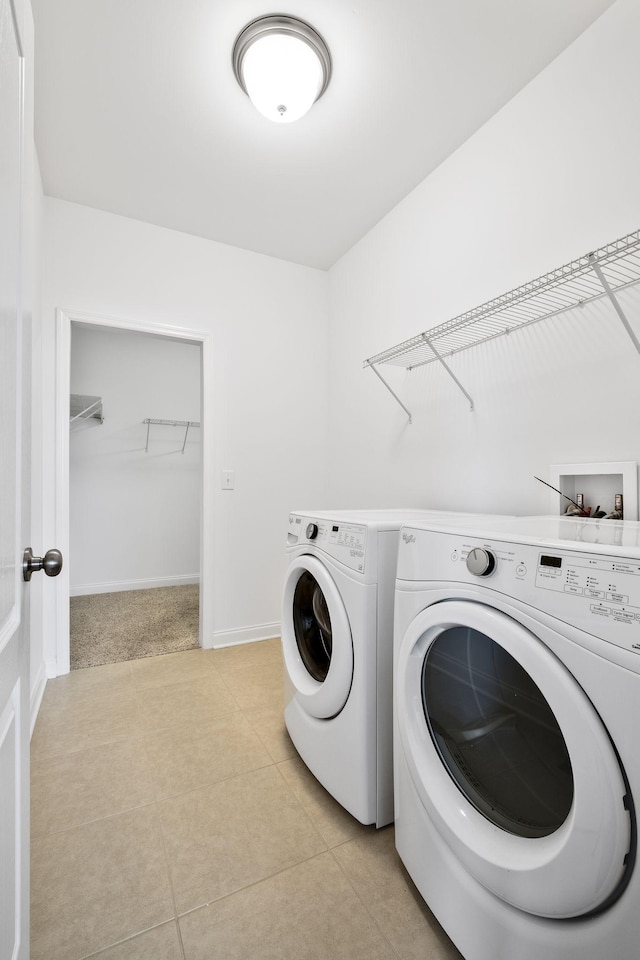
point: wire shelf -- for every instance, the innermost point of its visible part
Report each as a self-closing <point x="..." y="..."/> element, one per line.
<point x="172" y="423"/>
<point x="82" y="407"/>
<point x="187" y="424"/>
<point x="571" y="285"/>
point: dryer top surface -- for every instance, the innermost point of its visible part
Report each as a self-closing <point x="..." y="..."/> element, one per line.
<point x="614" y="537"/>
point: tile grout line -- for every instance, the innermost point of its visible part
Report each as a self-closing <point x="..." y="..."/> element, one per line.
<point x="361" y="900"/>
<point x="170" y="878"/>
<point x="302" y="807"/>
<point x="118" y="943"/>
<point x="251" y="885"/>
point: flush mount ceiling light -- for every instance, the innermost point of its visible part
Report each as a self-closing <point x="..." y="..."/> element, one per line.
<point x="283" y="65"/>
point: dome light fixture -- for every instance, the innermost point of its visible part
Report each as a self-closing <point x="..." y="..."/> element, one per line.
<point x="283" y="65"/>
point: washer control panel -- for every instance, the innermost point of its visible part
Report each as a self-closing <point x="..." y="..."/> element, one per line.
<point x="345" y="542"/>
<point x="594" y="591"/>
<point x="611" y="587"/>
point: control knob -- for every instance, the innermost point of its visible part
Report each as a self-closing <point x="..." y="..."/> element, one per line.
<point x="480" y="562"/>
<point x="312" y="531"/>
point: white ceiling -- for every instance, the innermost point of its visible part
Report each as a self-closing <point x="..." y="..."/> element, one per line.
<point x="138" y="111"/>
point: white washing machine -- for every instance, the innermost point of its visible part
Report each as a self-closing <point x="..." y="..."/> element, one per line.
<point x="337" y="641"/>
<point x="516" y="719"/>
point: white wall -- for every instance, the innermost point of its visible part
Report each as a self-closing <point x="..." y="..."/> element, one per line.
<point x="268" y="323"/>
<point x="552" y="176"/>
<point x="134" y="512"/>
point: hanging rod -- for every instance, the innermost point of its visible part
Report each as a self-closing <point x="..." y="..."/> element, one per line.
<point x="600" y="273"/>
<point x="187" y="424"/>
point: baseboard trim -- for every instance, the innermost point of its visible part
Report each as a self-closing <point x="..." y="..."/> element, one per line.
<point x="232" y="638"/>
<point x="35" y="698"/>
<point x="118" y="586"/>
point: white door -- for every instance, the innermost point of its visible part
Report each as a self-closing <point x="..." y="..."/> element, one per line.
<point x="14" y="645"/>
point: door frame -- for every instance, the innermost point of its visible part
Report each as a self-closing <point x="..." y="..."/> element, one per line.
<point x="64" y="319"/>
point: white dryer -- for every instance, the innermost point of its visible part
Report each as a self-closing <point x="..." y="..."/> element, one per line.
<point x="517" y="707"/>
<point x="337" y="641"/>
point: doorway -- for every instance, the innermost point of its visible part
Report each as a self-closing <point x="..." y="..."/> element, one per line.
<point x="118" y="480"/>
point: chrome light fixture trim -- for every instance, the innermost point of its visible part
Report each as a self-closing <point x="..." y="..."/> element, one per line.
<point x="281" y="25"/>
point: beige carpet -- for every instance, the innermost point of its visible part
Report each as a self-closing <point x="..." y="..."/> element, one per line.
<point x="112" y="627"/>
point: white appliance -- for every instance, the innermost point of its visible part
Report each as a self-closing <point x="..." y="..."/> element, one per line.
<point x="337" y="641"/>
<point x="516" y="719"/>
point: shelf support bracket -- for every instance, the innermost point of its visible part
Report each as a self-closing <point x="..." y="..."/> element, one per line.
<point x="449" y="371"/>
<point x="392" y="392"/>
<point x="609" y="292"/>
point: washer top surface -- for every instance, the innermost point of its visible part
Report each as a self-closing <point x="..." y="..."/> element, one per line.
<point x="605" y="536"/>
<point x="382" y="519"/>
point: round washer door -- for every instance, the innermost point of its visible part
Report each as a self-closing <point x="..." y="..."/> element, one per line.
<point x="316" y="638"/>
<point x="511" y="760"/>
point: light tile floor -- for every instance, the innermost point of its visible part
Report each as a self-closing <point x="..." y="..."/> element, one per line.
<point x="173" y="820"/>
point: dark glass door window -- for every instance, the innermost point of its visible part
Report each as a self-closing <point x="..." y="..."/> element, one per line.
<point x="496" y="734"/>
<point x="312" y="626"/>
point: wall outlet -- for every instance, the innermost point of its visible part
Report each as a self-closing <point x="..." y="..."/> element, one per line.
<point x="228" y="479"/>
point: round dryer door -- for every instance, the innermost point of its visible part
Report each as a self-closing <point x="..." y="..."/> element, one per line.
<point x="316" y="638"/>
<point x="511" y="760"/>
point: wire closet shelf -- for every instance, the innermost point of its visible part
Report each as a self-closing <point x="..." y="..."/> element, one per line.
<point x="83" y="407"/>
<point x="187" y="424"/>
<point x="600" y="273"/>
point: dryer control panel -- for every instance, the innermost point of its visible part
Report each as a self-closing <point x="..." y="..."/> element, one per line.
<point x="345" y="542"/>
<point x="610" y="586"/>
<point x="596" y="592"/>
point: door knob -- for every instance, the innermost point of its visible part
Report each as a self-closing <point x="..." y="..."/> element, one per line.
<point x="51" y="563"/>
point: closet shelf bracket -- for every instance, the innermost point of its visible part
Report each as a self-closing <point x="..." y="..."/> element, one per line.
<point x="614" y="300"/>
<point x="395" y="396"/>
<point x="82" y="407"/>
<point x="187" y="424"/>
<point x="449" y="370"/>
